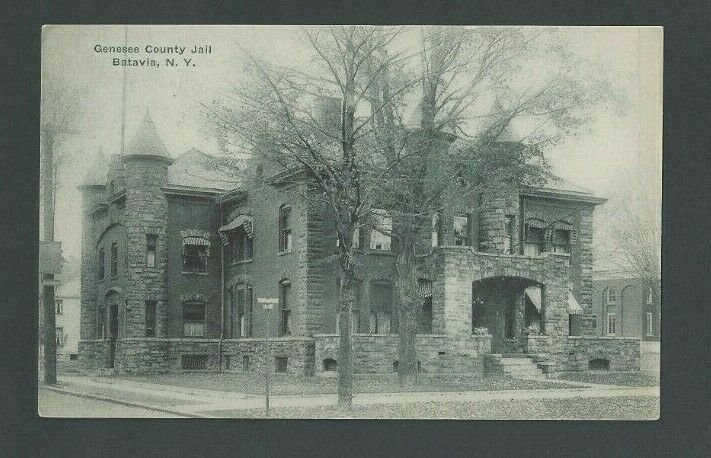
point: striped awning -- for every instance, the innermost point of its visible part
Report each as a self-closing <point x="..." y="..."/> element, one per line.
<point x="573" y="307"/>
<point x="245" y="221"/>
<point x="534" y="295"/>
<point x="424" y="288"/>
<point x="199" y="241"/>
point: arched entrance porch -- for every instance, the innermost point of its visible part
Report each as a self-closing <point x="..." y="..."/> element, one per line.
<point x="506" y="306"/>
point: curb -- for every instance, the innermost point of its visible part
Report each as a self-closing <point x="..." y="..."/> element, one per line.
<point x="121" y="402"/>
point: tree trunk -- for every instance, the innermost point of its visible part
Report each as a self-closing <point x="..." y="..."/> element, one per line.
<point x="408" y="312"/>
<point x="345" y="347"/>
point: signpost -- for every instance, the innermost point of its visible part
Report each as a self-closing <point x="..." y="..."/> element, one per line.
<point x="268" y="304"/>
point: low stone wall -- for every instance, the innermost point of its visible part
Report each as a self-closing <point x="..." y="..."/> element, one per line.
<point x="377" y="353"/>
<point x="159" y="355"/>
<point x="574" y="353"/>
<point x="92" y="355"/>
<point x="250" y="355"/>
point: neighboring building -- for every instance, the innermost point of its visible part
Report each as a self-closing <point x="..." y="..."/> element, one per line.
<point x="625" y="306"/>
<point x="175" y="255"/>
<point x="67" y="305"/>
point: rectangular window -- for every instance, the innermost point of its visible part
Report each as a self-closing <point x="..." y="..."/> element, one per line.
<point x="101" y="263"/>
<point x="509" y="228"/>
<point x="380" y="237"/>
<point x="357" y="239"/>
<point x="561" y="241"/>
<point x="285" y="299"/>
<point x="611" y="324"/>
<point x="285" y="244"/>
<point x="240" y="323"/>
<point x="242" y="246"/>
<point x="151" y="241"/>
<point x="461" y="230"/>
<point x="195" y="254"/>
<point x="150" y="318"/>
<point x="650" y="296"/>
<point x="533" y="245"/>
<point x="281" y="363"/>
<point x="58" y="306"/>
<point x="245" y="363"/>
<point x="650" y="324"/>
<point x="193" y="320"/>
<point x="59" y="336"/>
<point x="114" y="259"/>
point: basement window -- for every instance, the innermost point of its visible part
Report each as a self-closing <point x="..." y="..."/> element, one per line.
<point x="281" y="363"/>
<point x="194" y="362"/>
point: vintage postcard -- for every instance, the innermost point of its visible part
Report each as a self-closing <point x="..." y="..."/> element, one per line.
<point x="419" y="222"/>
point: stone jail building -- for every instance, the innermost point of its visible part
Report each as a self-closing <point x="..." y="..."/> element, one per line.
<point x="174" y="258"/>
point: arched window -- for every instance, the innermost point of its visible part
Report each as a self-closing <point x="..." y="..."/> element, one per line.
<point x="610" y="296"/>
<point x="101" y="263"/>
<point x="373" y="323"/>
<point x="285" y="307"/>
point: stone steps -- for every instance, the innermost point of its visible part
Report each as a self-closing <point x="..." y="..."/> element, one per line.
<point x="514" y="365"/>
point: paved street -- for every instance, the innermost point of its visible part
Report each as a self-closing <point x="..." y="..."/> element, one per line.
<point x="55" y="404"/>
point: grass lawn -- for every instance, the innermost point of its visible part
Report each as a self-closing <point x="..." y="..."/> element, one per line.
<point x="282" y="384"/>
<point x="614" y="408"/>
<point x="614" y="378"/>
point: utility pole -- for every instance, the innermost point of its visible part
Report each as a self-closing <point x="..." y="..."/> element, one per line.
<point x="267" y="304"/>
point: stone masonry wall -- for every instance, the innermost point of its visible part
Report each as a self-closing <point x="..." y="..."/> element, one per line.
<point x="573" y="353"/>
<point x="376" y="353"/>
<point x="146" y="213"/>
<point x="160" y="355"/>
<point x="454" y="269"/>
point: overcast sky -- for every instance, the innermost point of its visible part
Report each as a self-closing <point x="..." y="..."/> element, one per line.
<point x="614" y="149"/>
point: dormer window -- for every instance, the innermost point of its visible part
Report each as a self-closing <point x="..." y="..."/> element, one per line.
<point x="196" y="250"/>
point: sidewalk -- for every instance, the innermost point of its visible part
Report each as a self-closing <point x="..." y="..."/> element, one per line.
<point x="191" y="402"/>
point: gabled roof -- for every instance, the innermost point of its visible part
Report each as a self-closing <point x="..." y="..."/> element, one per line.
<point x="96" y="176"/>
<point x="146" y="142"/>
<point x="195" y="169"/>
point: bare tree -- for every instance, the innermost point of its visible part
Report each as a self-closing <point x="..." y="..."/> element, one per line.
<point x="60" y="111"/>
<point x="272" y="117"/>
<point x="468" y="91"/>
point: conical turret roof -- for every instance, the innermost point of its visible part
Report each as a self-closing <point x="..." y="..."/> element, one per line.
<point x="147" y="142"/>
<point x="96" y="176"/>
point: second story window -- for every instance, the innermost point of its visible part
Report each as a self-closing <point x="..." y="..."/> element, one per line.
<point x="436" y="229"/>
<point x="242" y="246"/>
<point x="58" y="306"/>
<point x="610" y="296"/>
<point x="195" y="253"/>
<point x="533" y="244"/>
<point x="151" y="241"/>
<point x="561" y="241"/>
<point x="650" y="296"/>
<point x="285" y="244"/>
<point x="114" y="259"/>
<point x="101" y="263"/>
<point x="380" y="237"/>
<point x="461" y="230"/>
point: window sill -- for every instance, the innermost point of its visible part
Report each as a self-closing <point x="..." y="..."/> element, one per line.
<point x="239" y="263"/>
<point x="284" y="253"/>
<point x="196" y="273"/>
